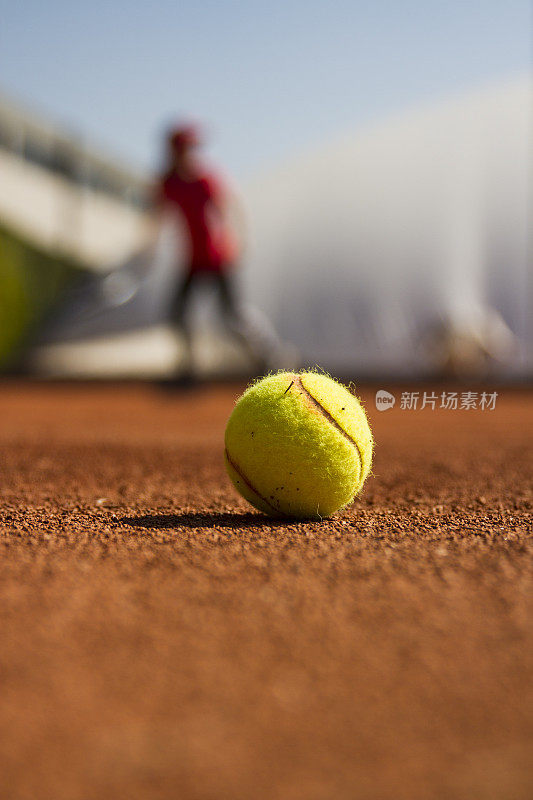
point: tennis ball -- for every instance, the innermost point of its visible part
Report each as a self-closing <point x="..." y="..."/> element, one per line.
<point x="298" y="445"/>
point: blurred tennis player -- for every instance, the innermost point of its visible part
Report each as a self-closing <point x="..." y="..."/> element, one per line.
<point x="199" y="200"/>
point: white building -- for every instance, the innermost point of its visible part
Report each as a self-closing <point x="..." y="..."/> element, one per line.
<point x="62" y="195"/>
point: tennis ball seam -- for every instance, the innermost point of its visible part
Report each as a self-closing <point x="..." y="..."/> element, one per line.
<point x="319" y="408"/>
<point x="250" y="485"/>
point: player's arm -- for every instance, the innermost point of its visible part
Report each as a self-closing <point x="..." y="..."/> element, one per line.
<point x="230" y="211"/>
<point x="157" y="208"/>
<point x="156" y="216"/>
<point x="236" y="219"/>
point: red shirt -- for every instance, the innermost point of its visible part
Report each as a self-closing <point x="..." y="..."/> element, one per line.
<point x="211" y="245"/>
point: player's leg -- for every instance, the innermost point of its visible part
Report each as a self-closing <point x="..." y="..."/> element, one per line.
<point x="257" y="339"/>
<point x="180" y="301"/>
<point x="179" y="316"/>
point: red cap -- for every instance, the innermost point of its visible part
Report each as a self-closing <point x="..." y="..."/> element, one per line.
<point x="185" y="136"/>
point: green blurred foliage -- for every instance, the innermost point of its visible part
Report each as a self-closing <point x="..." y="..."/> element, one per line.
<point x="32" y="283"/>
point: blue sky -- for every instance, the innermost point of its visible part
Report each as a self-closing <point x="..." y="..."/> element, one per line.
<point x="269" y="78"/>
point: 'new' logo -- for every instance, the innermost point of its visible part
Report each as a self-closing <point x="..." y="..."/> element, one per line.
<point x="384" y="400"/>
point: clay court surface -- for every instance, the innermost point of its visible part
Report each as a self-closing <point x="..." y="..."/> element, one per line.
<point x="158" y="639"/>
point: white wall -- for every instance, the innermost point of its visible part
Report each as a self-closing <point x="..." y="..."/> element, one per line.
<point x="94" y="227"/>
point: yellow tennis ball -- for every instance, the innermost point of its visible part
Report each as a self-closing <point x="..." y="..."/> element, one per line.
<point x="298" y="445"/>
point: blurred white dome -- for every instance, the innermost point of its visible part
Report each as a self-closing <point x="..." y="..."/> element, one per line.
<point x="360" y="249"/>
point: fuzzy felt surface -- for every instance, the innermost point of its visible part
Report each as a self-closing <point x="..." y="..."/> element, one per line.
<point x="298" y="445"/>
